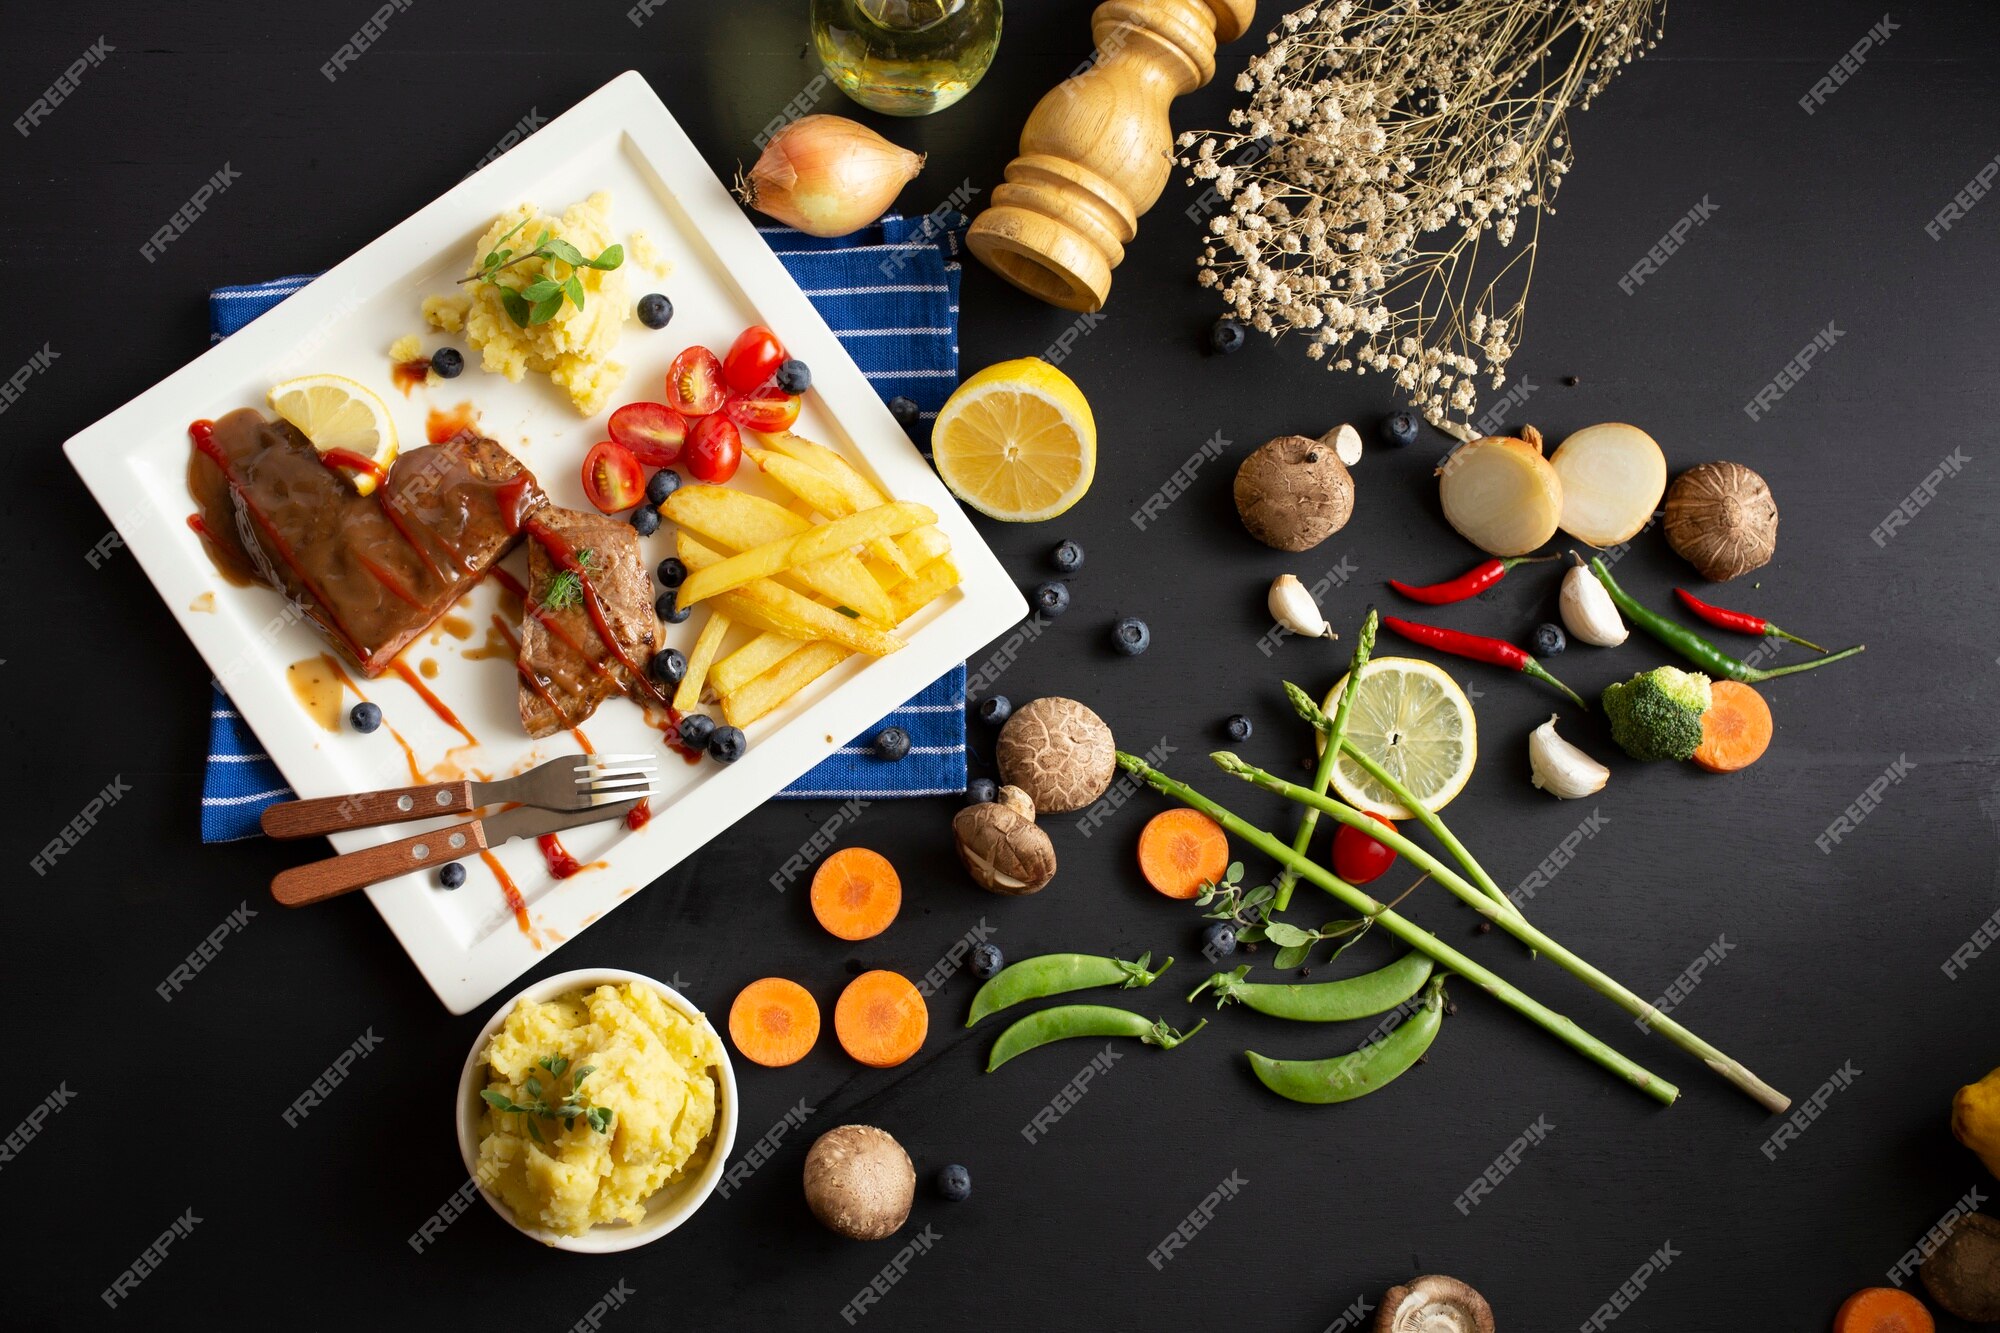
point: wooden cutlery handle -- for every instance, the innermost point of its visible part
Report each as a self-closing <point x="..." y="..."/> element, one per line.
<point x="331" y="814"/>
<point x="336" y="875"/>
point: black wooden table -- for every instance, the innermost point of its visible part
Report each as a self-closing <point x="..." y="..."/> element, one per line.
<point x="1836" y="971"/>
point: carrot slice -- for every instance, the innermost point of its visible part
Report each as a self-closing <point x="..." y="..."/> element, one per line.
<point x="881" y="1019"/>
<point x="856" y="893"/>
<point x="1180" y="850"/>
<point x="1883" y="1310"/>
<point x="1736" y="729"/>
<point x="774" y="1022"/>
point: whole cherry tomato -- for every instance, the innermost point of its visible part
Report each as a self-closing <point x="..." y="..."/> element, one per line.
<point x="753" y="359"/>
<point x="611" y="477"/>
<point x="769" y="409"/>
<point x="652" y="432"/>
<point x="694" y="383"/>
<point x="1358" y="858"/>
<point x="713" y="450"/>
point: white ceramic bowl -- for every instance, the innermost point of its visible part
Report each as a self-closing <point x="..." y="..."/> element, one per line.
<point x="667" y="1209"/>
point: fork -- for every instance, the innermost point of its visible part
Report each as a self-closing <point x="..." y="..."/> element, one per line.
<point x="570" y="782"/>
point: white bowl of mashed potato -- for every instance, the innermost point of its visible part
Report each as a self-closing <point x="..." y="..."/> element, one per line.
<point x="619" y="1156"/>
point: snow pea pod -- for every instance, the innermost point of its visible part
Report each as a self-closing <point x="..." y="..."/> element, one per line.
<point x="1083" y="1020"/>
<point x="1360" y="1072"/>
<point x="1056" y="974"/>
<point x="1371" y="993"/>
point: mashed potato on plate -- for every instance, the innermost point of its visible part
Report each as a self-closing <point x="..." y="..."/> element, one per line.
<point x="574" y="348"/>
<point x="651" y="1066"/>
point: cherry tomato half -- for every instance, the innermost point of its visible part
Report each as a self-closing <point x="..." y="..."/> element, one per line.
<point x="694" y="383"/>
<point x="753" y="358"/>
<point x="713" y="450"/>
<point x="611" y="477"/>
<point x="1358" y="858"/>
<point x="652" y="432"/>
<point x="769" y="409"/>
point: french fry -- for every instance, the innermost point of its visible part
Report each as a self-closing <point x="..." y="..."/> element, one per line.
<point x="742" y="522"/>
<point x="688" y="696"/>
<point x="772" y="608"/>
<point x="861" y="493"/>
<point x="753" y="659"/>
<point x="932" y="581"/>
<point x="742" y="707"/>
<point x="826" y="496"/>
<point x="790" y="553"/>
<point x="925" y="544"/>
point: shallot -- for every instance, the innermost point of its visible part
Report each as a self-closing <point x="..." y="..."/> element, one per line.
<point x="827" y="176"/>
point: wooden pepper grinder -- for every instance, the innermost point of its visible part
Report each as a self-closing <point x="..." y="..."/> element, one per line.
<point x="1098" y="149"/>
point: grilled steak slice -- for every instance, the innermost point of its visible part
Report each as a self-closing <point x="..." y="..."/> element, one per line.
<point x="567" y="669"/>
<point x="371" y="571"/>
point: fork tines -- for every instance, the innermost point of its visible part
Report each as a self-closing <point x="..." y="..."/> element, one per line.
<point x="617" y="777"/>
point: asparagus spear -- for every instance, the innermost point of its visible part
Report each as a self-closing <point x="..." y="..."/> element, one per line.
<point x="1336" y="731"/>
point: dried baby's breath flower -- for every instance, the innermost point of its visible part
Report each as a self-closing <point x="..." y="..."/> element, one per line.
<point x="1373" y="124"/>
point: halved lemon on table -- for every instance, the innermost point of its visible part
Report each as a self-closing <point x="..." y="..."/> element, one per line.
<point x="1017" y="441"/>
<point x="1412" y="719"/>
<point x="342" y="416"/>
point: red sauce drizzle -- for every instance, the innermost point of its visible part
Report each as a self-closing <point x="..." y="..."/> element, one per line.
<point x="196" y="525"/>
<point x="347" y="682"/>
<point x="639" y="815"/>
<point x="389" y="581"/>
<point x="394" y="513"/>
<point x="438" y="706"/>
<point x="509" y="582"/>
<point x="534" y="682"/>
<point x="407" y="375"/>
<point x="441" y="426"/>
<point x="511" y="892"/>
<point x="348" y="460"/>
<point x="561" y="864"/>
<point x="512" y="496"/>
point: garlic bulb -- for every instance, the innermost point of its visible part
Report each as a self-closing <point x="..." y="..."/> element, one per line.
<point x="1561" y="769"/>
<point x="1588" y="611"/>
<point x="1292" y="606"/>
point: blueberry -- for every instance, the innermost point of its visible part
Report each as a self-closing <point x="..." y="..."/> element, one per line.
<point x="1399" y="429"/>
<point x="1131" y="637"/>
<point x="979" y="791"/>
<point x="671" y="573"/>
<point x="727" y="744"/>
<point x="995" y="709"/>
<point x="1219" y="940"/>
<point x="1067" y="558"/>
<point x="1238" y="727"/>
<point x="986" y="960"/>
<point x="1227" y="336"/>
<point x="645" y="520"/>
<point x="365" y="717"/>
<point x="667" y="611"/>
<point x="1052" y="599"/>
<point x="696" y="728"/>
<point x="668" y="666"/>
<point x="905" y="411"/>
<point x="662" y="484"/>
<point x="955" y="1183"/>
<point x="892" y="743"/>
<point x="452" y="875"/>
<point x="1549" y="640"/>
<point x="794" y="376"/>
<point x="655" y="310"/>
<point x="449" y="363"/>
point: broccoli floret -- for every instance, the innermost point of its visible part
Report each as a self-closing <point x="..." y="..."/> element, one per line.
<point x="1657" y="713"/>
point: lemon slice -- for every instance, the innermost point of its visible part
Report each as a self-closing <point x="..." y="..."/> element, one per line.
<point x="1017" y="441"/>
<point x="335" y="412"/>
<point x="1413" y="720"/>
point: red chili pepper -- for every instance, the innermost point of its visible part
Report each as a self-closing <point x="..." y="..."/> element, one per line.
<point x="1740" y="621"/>
<point x="1479" y="648"/>
<point x="1469" y="584"/>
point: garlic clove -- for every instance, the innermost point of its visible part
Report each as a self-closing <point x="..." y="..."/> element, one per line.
<point x="1561" y="769"/>
<point x="1588" y="611"/>
<point x="1292" y="606"/>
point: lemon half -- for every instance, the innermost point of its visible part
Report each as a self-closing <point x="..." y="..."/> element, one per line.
<point x="335" y="412"/>
<point x="1017" y="441"/>
<point x="1412" y="719"/>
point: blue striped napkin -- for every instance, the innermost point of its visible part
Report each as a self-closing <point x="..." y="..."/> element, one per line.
<point x="890" y="293"/>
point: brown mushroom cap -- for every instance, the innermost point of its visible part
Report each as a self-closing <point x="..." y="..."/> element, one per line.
<point x="1722" y="520"/>
<point x="1434" y="1304"/>
<point x="1963" y="1273"/>
<point x="1057" y="751"/>
<point x="859" y="1182"/>
<point x="1002" y="849"/>
<point x="1293" y="493"/>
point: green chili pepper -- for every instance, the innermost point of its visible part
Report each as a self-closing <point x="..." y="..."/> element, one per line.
<point x="1324" y="1001"/>
<point x="1358" y="1073"/>
<point x="1057" y="973"/>
<point x="1695" y="648"/>
<point x="1083" y="1020"/>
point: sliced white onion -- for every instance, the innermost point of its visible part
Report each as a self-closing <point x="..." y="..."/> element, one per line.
<point x="1501" y="494"/>
<point x="1613" y="476"/>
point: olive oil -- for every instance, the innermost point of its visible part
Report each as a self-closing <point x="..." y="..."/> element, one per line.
<point x="906" y="57"/>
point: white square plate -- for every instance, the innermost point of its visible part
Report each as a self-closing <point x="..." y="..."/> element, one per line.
<point x="622" y="139"/>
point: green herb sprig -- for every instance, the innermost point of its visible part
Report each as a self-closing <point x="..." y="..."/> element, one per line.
<point x="568" y="1108"/>
<point x="540" y="300"/>
<point x="566" y="588"/>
